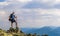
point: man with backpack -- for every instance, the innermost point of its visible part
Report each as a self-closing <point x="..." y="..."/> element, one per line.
<point x="12" y="19"/>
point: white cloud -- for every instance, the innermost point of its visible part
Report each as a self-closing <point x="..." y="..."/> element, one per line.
<point x="48" y="2"/>
<point x="54" y="1"/>
<point x="4" y="3"/>
<point x="24" y="1"/>
<point x="43" y="17"/>
<point x="57" y="1"/>
<point x="25" y="20"/>
<point x="49" y="11"/>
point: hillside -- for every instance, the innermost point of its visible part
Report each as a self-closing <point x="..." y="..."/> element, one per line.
<point x="17" y="32"/>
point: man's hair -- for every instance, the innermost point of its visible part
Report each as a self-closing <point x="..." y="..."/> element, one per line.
<point x="13" y="12"/>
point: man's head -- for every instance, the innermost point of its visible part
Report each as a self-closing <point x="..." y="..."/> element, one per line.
<point x="13" y="12"/>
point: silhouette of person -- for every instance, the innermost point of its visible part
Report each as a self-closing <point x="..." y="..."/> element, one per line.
<point x="12" y="19"/>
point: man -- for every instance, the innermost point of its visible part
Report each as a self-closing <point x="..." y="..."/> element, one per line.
<point x="12" y="19"/>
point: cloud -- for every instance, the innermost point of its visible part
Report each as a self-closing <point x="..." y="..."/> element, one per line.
<point x="34" y="18"/>
<point x="49" y="1"/>
<point x="38" y="17"/>
<point x="32" y="14"/>
<point x="37" y="4"/>
<point x="3" y="3"/>
<point x="44" y="4"/>
<point x="23" y="1"/>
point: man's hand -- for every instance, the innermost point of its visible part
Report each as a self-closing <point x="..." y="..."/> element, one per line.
<point x="16" y="18"/>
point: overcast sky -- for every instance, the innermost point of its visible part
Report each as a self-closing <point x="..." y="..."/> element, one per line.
<point x="30" y="13"/>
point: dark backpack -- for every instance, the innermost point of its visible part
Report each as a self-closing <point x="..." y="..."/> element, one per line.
<point x="10" y="17"/>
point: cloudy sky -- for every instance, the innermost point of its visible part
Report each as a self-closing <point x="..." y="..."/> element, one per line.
<point x="30" y="13"/>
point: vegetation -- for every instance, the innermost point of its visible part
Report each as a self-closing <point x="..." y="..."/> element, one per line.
<point x="16" y="32"/>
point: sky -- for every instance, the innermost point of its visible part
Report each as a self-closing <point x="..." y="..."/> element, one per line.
<point x="30" y="13"/>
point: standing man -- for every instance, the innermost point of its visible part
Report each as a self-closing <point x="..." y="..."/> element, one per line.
<point x="12" y="19"/>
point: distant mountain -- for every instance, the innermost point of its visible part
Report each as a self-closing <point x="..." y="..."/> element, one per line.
<point x="51" y="31"/>
<point x="29" y="30"/>
<point x="57" y="30"/>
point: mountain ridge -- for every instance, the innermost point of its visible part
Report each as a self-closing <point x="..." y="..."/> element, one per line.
<point x="51" y="31"/>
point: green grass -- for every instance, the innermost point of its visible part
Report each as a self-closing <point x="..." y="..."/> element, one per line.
<point x="16" y="32"/>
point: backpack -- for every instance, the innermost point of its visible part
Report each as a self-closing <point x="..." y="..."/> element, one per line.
<point x="10" y="17"/>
